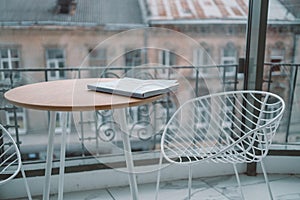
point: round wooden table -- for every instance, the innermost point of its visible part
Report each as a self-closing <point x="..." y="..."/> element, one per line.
<point x="69" y="95"/>
<point x="73" y="95"/>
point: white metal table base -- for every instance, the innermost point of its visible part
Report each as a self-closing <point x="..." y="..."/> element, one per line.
<point x="49" y="158"/>
<point x="62" y="156"/>
<point x="120" y="116"/>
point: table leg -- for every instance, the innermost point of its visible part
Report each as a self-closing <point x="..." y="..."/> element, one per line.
<point x="49" y="158"/>
<point x="120" y="116"/>
<point x="62" y="156"/>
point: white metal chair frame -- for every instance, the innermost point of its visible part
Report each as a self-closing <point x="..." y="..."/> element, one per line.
<point x="10" y="160"/>
<point x="240" y="128"/>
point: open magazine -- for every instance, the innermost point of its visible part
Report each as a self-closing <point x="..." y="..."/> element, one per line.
<point x="133" y="87"/>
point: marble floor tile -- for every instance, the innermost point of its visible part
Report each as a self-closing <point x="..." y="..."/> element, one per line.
<point x="102" y="194"/>
<point x="176" y="190"/>
<point x="287" y="188"/>
<point x="283" y="187"/>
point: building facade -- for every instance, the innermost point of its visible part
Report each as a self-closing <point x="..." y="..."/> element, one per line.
<point x="182" y="39"/>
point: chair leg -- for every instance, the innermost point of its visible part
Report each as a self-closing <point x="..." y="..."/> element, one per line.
<point x="238" y="180"/>
<point x="158" y="176"/>
<point x="190" y="181"/>
<point x="26" y="184"/>
<point x="266" y="179"/>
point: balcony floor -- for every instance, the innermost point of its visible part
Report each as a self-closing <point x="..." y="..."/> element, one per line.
<point x="284" y="187"/>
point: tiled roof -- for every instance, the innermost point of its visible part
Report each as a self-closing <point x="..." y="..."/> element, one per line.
<point x="207" y="10"/>
<point x="88" y="12"/>
<point x="128" y="13"/>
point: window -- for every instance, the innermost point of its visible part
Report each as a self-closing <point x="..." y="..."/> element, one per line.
<point x="21" y="120"/>
<point x="55" y="60"/>
<point x="133" y="58"/>
<point x="227" y="115"/>
<point x="98" y="57"/>
<point x="9" y="59"/>
<point x="60" y="122"/>
<point x="167" y="59"/>
<point x="203" y="116"/>
<point x="98" y="60"/>
<point x="201" y="59"/>
<point x="66" y="6"/>
<point x="229" y="56"/>
<point x="277" y="57"/>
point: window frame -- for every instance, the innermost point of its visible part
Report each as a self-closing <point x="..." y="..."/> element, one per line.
<point x="56" y="74"/>
<point x="133" y="57"/>
<point x="9" y="60"/>
<point x="200" y="58"/>
<point x="227" y="59"/>
<point x="98" y="56"/>
<point x="60" y="122"/>
<point x="167" y="59"/>
<point x="20" y="113"/>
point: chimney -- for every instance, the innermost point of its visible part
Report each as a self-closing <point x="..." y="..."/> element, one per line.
<point x="66" y="7"/>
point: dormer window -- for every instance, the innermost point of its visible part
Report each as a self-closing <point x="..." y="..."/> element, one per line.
<point x="66" y="6"/>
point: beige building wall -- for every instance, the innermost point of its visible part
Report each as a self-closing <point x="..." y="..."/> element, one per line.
<point x="77" y="42"/>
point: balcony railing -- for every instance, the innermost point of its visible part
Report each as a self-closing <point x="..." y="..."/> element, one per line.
<point x="96" y="133"/>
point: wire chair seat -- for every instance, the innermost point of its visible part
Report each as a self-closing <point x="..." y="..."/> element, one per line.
<point x="229" y="127"/>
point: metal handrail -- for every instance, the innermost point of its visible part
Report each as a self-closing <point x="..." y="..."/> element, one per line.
<point x="232" y="81"/>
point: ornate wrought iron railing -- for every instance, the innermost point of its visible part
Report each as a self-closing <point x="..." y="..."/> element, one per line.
<point x="97" y="133"/>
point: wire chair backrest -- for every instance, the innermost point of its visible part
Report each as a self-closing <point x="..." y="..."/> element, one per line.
<point x="10" y="157"/>
<point x="228" y="127"/>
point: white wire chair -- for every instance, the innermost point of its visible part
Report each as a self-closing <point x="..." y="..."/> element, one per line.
<point x="10" y="159"/>
<point x="229" y="127"/>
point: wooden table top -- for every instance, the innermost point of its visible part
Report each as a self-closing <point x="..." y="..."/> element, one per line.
<point x="69" y="95"/>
